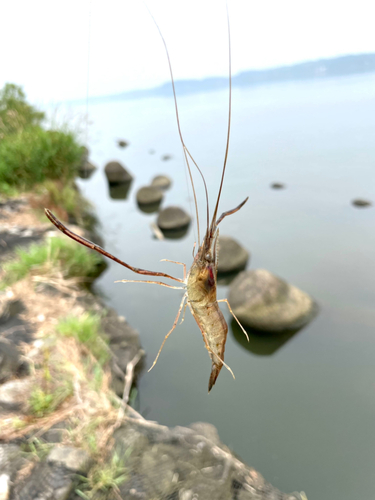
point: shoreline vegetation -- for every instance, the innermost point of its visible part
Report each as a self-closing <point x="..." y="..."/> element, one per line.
<point x="69" y="364"/>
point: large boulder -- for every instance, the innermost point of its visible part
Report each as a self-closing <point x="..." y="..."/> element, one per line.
<point x="117" y="174"/>
<point x="186" y="463"/>
<point x="161" y="182"/>
<point x="173" y="218"/>
<point x="232" y="256"/>
<point x="265" y="302"/>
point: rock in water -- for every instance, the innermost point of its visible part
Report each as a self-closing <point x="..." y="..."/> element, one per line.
<point x="86" y="170"/>
<point x="359" y="202"/>
<point x="161" y="182"/>
<point x="116" y="173"/>
<point x="122" y="144"/>
<point x="277" y="185"/>
<point x="149" y="195"/>
<point x="232" y="256"/>
<point x="173" y="218"/>
<point x="265" y="302"/>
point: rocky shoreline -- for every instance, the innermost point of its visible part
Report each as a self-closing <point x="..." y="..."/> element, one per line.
<point x="61" y="454"/>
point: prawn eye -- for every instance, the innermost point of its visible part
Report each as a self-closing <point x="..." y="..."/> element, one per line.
<point x="208" y="256"/>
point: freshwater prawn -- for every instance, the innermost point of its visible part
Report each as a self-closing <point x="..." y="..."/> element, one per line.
<point x="199" y="283"/>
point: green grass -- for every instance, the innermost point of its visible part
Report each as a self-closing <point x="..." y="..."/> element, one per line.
<point x="57" y="254"/>
<point x="36" y="448"/>
<point x="103" y="478"/>
<point x="33" y="155"/>
<point x="43" y="402"/>
<point x="86" y="329"/>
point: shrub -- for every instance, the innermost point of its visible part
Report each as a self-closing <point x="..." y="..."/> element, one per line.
<point x="15" y="113"/>
<point x="34" y="155"/>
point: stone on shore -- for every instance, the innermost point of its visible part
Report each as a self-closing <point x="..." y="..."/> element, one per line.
<point x="232" y="256"/>
<point x="265" y="302"/>
<point x="173" y="218"/>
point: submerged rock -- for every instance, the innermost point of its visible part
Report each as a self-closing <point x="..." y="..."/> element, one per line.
<point x="161" y="182"/>
<point x="173" y="218"/>
<point x="116" y="173"/>
<point x="232" y="256"/>
<point x="149" y="195"/>
<point x="361" y="203"/>
<point x="264" y="301"/>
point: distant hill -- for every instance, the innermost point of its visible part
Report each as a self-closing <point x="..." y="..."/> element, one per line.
<point x="322" y="68"/>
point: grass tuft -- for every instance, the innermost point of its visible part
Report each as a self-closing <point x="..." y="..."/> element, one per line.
<point x="86" y="329"/>
<point x="103" y="478"/>
<point x="57" y="255"/>
<point x="44" y="402"/>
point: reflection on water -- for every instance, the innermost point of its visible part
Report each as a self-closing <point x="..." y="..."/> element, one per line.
<point x="175" y="234"/>
<point x="261" y="343"/>
<point x="119" y="191"/>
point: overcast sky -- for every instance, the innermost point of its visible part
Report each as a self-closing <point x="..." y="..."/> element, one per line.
<point x="45" y="44"/>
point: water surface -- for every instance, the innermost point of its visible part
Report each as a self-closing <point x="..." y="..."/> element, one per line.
<point x="302" y="410"/>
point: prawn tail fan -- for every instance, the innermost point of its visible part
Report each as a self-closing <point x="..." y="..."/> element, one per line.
<point x="215" y="370"/>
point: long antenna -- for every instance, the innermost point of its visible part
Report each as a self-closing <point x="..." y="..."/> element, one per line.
<point x="185" y="149"/>
<point x="229" y="123"/>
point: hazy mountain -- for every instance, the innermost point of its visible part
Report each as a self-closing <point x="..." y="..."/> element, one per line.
<point x="322" y="68"/>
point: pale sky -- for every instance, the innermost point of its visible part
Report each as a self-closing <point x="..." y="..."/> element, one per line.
<point x="45" y="44"/>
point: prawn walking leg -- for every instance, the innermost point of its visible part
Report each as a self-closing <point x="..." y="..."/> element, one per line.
<point x="151" y="282"/>
<point x="170" y="331"/>
<point x="183" y="314"/>
<point x="235" y="317"/>
<point x="175" y="262"/>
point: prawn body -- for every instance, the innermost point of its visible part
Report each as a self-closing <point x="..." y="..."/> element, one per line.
<point x="202" y="300"/>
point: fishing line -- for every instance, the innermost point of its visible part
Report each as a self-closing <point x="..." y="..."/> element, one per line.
<point x="88" y="73"/>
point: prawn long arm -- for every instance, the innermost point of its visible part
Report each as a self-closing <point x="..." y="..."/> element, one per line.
<point x="97" y="248"/>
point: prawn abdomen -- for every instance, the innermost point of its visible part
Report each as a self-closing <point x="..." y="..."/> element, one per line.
<point x="214" y="330"/>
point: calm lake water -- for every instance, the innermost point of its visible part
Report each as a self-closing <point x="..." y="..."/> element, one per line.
<point x="302" y="409"/>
